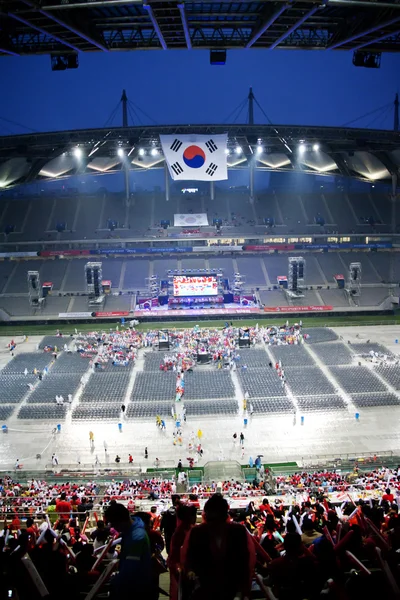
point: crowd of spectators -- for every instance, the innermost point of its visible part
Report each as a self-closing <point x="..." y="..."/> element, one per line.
<point x="295" y="549"/>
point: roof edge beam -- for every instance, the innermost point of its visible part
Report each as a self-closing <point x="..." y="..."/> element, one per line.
<point x="10" y="52"/>
<point x="293" y="27"/>
<point x="356" y="36"/>
<point x="266" y="25"/>
<point x="43" y="31"/>
<point x="185" y="25"/>
<point x="66" y="25"/>
<point x="378" y="39"/>
<point x="156" y="26"/>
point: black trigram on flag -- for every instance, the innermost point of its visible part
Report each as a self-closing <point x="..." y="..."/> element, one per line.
<point x="211" y="146"/>
<point x="211" y="169"/>
<point x="177" y="169"/>
<point x="176" y="144"/>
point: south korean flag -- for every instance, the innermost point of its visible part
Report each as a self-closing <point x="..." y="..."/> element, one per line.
<point x="196" y="157"/>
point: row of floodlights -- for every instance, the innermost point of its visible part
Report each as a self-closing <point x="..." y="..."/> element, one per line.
<point x="260" y="149"/>
<point x="78" y="152"/>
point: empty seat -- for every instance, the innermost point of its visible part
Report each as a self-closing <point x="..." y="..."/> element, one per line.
<point x="27" y="360"/>
<point x="54" y="385"/>
<point x="6" y="411"/>
<point x="293" y="355"/>
<point x="99" y="411"/>
<point x="391" y="374"/>
<point x="365" y="400"/>
<point x="70" y="362"/>
<point x="154" y="386"/>
<point x="334" y="353"/>
<point x="107" y="387"/>
<point x="320" y="334"/>
<point x="308" y="382"/>
<point x="315" y="403"/>
<point x="261" y="383"/>
<point x="54" y="340"/>
<point x="272" y="405"/>
<point x="364" y="349"/>
<point x="357" y="379"/>
<point x="253" y="358"/>
<point x="13" y="387"/>
<point x="42" y="411"/>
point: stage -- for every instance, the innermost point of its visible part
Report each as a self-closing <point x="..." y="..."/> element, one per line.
<point x="156" y="313"/>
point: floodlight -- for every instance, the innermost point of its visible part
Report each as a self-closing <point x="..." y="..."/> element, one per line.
<point x="78" y="152"/>
<point x="302" y="148"/>
<point x="227" y="151"/>
<point x="315" y="147"/>
<point x="259" y="149"/>
<point x="120" y="152"/>
<point x="141" y="152"/>
<point x="154" y="151"/>
<point x="238" y="150"/>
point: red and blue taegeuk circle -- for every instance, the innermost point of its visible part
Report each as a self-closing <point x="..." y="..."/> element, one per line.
<point x="194" y="157"/>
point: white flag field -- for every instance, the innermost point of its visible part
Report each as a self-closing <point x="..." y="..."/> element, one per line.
<point x="196" y="157"/>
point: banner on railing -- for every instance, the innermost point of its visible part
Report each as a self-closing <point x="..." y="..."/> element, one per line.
<point x="75" y="315"/>
<point x="199" y="311"/>
<point x="65" y="252"/>
<point x="267" y="247"/>
<point x="282" y="309"/>
<point x="113" y="313"/>
<point x="18" y="254"/>
<point x="344" y="246"/>
<point x="148" y="250"/>
<point x="217" y="248"/>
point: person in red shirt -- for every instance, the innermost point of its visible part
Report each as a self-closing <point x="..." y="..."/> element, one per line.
<point x="33" y="532"/>
<point x="187" y="518"/>
<point x="388" y="496"/>
<point x="63" y="507"/>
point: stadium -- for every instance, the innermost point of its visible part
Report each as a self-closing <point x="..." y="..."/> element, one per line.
<point x="199" y="324"/>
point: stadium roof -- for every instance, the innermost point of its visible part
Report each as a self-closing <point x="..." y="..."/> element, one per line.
<point x="74" y="26"/>
<point x="370" y="155"/>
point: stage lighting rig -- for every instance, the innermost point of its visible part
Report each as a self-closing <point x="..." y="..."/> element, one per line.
<point x="62" y="62"/>
<point x="370" y="60"/>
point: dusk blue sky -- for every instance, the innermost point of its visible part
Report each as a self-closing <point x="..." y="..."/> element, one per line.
<point x="298" y="87"/>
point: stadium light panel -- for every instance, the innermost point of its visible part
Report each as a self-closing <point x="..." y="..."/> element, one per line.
<point x="154" y="151"/>
<point x="238" y="150"/>
<point x="78" y="152"/>
<point x="315" y="147"/>
<point x="120" y="152"/>
<point x="141" y="151"/>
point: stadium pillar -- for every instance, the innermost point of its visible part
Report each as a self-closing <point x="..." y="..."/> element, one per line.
<point x="166" y="175"/>
<point x="124" y="100"/>
<point x="126" y="179"/>
<point x="394" y="192"/>
<point x="251" y="186"/>
<point x="212" y="191"/>
<point x="251" y="106"/>
<point x="392" y="260"/>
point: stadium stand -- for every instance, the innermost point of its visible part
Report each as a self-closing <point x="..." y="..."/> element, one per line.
<point x="63" y="532"/>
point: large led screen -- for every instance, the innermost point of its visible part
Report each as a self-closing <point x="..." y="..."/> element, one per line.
<point x="201" y="285"/>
